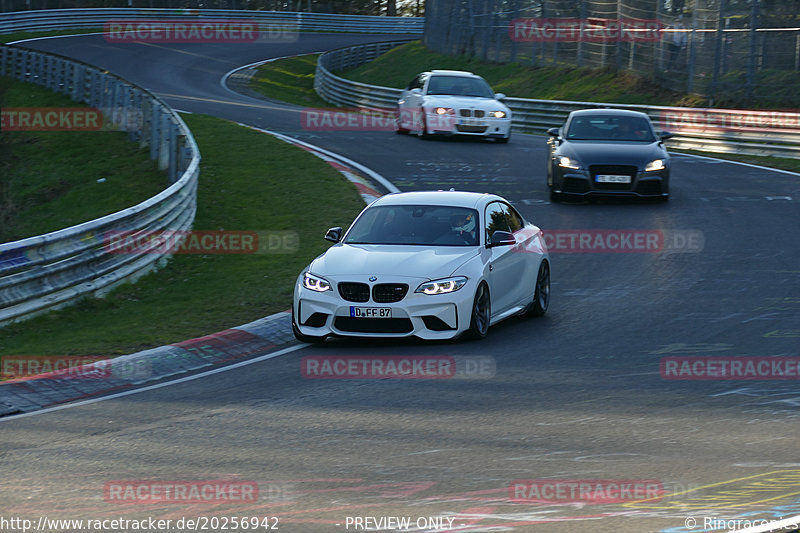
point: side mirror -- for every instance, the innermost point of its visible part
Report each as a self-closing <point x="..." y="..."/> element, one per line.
<point x="502" y="238"/>
<point x="554" y="132"/>
<point x="664" y="135"/>
<point x="499" y="96"/>
<point x="416" y="91"/>
<point x="334" y="234"/>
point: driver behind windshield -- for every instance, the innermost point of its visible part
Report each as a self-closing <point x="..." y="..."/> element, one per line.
<point x="464" y="226"/>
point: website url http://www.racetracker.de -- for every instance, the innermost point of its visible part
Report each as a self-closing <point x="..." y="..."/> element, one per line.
<point x="199" y="523"/>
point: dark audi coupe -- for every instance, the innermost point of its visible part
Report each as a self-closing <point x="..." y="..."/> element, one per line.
<point x="607" y="152"/>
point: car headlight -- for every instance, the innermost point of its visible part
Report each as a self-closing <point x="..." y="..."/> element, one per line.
<point x="497" y="114"/>
<point x="442" y="286"/>
<point x="657" y="164"/>
<point x="444" y="111"/>
<point x="566" y="162"/>
<point x="315" y="283"/>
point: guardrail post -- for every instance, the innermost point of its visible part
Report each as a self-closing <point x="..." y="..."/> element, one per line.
<point x="186" y="156"/>
<point x="94" y="88"/>
<point x="109" y="92"/>
<point x="66" y="78"/>
<point x="54" y="75"/>
<point x="77" y="83"/>
<point x="134" y="113"/>
<point x="155" y="131"/>
<point x="40" y="68"/>
<point x="173" y="152"/>
<point x="27" y="66"/>
<point x="163" y="141"/>
<point x="146" y="117"/>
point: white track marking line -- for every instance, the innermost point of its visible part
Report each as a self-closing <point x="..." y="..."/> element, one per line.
<point x="159" y="385"/>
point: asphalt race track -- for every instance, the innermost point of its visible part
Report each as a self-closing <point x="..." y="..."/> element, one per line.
<point x="577" y="395"/>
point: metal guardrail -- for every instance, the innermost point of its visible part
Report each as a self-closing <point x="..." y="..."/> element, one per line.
<point x="762" y="133"/>
<point x="341" y="91"/>
<point x="48" y="271"/>
<point x="96" y="18"/>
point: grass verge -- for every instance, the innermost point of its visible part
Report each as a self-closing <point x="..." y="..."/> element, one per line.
<point x="399" y="65"/>
<point x="783" y="163"/>
<point x="20" y="35"/>
<point x="50" y="179"/>
<point x="289" y="80"/>
<point x="248" y="181"/>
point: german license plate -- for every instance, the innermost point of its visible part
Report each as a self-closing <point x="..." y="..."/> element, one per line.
<point x="470" y="122"/>
<point x="612" y="178"/>
<point x="370" y="312"/>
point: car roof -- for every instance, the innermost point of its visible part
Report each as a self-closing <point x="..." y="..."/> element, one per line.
<point x="609" y="112"/>
<point x="463" y="73"/>
<point x="448" y="198"/>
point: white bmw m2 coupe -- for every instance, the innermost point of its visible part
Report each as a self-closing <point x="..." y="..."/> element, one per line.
<point x="432" y="264"/>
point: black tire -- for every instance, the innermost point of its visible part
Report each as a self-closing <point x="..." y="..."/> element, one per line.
<point x="503" y="140"/>
<point x="555" y="197"/>
<point x="401" y="131"/>
<point x="481" y="313"/>
<point x="310" y="339"/>
<point x="423" y="132"/>
<point x="541" y="296"/>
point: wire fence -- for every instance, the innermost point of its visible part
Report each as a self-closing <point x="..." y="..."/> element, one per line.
<point x="733" y="52"/>
<point x="351" y="7"/>
<point x="272" y="26"/>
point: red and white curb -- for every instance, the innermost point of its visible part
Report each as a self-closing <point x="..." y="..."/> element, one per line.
<point x="261" y="339"/>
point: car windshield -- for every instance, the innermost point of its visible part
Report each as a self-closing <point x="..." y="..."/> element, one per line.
<point x="459" y="86"/>
<point x="422" y="225"/>
<point x="610" y="128"/>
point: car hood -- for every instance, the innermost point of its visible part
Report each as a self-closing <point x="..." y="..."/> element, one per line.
<point x="612" y="152"/>
<point x="446" y="100"/>
<point x="392" y="260"/>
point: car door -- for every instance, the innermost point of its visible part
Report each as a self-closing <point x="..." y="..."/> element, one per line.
<point x="530" y="249"/>
<point x="506" y="264"/>
<point x="410" y="103"/>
